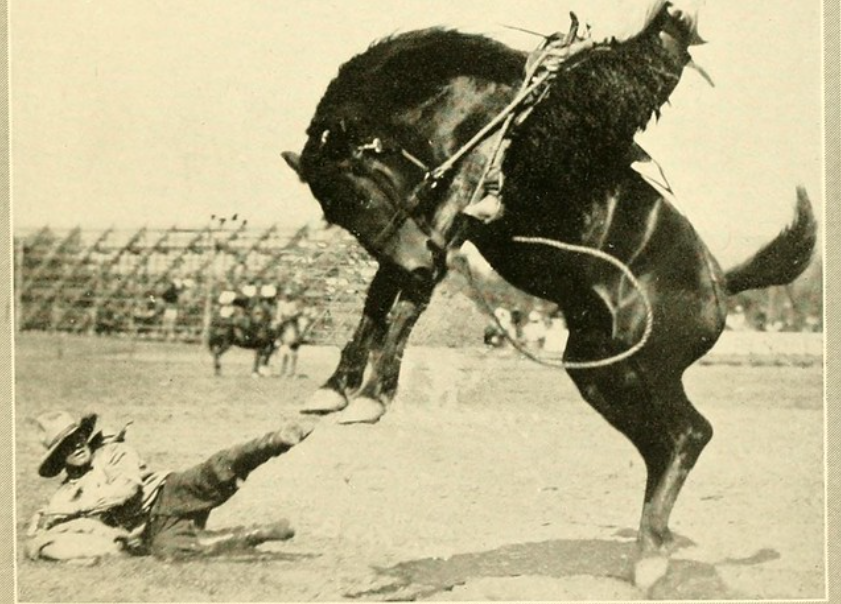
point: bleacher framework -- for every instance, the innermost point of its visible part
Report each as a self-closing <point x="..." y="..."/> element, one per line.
<point x="110" y="282"/>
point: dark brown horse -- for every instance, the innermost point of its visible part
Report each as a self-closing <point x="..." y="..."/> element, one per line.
<point x="573" y="204"/>
<point x="251" y="329"/>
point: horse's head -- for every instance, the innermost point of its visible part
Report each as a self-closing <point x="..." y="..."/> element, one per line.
<point x="364" y="179"/>
<point x="393" y="114"/>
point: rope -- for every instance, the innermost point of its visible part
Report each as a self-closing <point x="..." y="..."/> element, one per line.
<point x="601" y="255"/>
<point x="519" y="348"/>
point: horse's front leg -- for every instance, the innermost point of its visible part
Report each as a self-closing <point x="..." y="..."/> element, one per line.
<point x="372" y="400"/>
<point x="218" y="346"/>
<point x="368" y="337"/>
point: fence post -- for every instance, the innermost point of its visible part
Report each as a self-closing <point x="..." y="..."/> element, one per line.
<point x="217" y="225"/>
<point x="210" y="283"/>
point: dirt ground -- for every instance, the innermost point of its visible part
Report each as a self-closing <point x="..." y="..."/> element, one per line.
<point x="489" y="479"/>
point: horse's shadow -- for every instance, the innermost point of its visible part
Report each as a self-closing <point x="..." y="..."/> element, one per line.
<point x="600" y="559"/>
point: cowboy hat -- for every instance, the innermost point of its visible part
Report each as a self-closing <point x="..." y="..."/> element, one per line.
<point x="56" y="427"/>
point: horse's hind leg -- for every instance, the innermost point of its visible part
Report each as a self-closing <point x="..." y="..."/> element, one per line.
<point x="651" y="409"/>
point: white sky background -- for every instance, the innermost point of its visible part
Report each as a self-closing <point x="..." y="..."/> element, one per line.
<point x="161" y="113"/>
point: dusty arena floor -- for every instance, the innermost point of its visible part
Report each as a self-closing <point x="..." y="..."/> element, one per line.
<point x="489" y="479"/>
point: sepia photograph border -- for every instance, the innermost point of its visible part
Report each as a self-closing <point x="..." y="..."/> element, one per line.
<point x="832" y="323"/>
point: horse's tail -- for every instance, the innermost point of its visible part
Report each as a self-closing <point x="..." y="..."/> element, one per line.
<point x="784" y="258"/>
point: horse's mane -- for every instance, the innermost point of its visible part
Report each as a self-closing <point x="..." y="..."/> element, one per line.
<point x="400" y="71"/>
<point x="584" y="130"/>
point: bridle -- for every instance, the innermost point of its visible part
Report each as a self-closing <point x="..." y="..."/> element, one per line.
<point x="417" y="206"/>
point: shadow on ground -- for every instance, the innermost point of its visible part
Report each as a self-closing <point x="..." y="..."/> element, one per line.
<point x="563" y="569"/>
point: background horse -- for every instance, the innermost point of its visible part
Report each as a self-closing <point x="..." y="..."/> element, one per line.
<point x="291" y="335"/>
<point x="409" y="102"/>
<point x="252" y="330"/>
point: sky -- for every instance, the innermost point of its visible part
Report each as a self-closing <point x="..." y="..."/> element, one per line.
<point x="129" y="113"/>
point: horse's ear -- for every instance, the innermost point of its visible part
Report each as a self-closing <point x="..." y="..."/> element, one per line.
<point x="294" y="161"/>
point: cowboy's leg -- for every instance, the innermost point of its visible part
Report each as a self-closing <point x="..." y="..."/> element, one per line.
<point x="178" y="537"/>
<point x="187" y="498"/>
<point x="293" y="360"/>
<point x="284" y="359"/>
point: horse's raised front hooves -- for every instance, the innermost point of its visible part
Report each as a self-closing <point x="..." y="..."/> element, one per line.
<point x="324" y="401"/>
<point x="362" y="410"/>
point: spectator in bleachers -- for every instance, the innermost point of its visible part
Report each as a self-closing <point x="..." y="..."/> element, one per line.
<point x="145" y="313"/>
<point x="292" y="331"/>
<point x="231" y="305"/>
<point x="534" y="331"/>
<point x="556" y="333"/>
<point x="494" y="336"/>
<point x="170" y="314"/>
<point x="499" y="328"/>
<point x="268" y="294"/>
<point x="287" y="307"/>
<point x="736" y="320"/>
<point x="516" y="329"/>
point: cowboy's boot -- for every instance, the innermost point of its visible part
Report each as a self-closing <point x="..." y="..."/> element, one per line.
<point x="247" y="457"/>
<point x="243" y="538"/>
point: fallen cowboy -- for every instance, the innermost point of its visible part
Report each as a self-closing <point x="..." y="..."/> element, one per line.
<point x="111" y="503"/>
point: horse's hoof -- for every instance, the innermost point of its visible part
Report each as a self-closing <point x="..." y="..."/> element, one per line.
<point x="323" y="401"/>
<point x="649" y="570"/>
<point x="362" y="410"/>
<point x="254" y="374"/>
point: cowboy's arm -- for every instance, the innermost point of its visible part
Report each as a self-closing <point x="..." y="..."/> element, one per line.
<point x="114" y="480"/>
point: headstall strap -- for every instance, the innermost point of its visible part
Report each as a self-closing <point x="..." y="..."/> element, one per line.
<point x="376" y="145"/>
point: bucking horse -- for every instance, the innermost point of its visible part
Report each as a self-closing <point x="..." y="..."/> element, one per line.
<point x="399" y="145"/>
